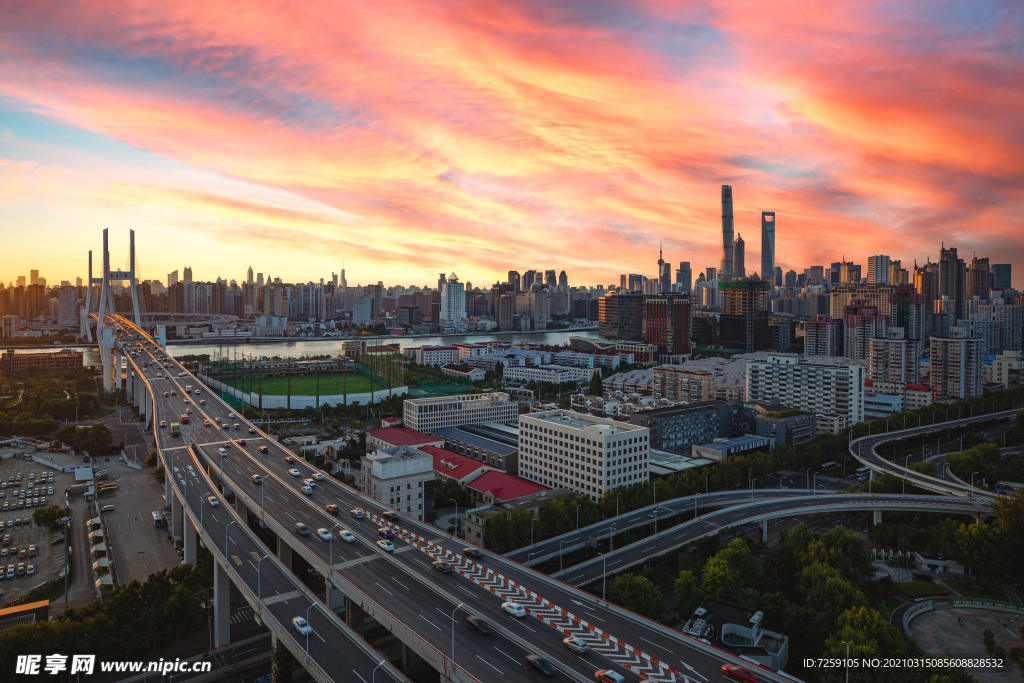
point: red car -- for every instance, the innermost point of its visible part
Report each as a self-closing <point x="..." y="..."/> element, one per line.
<point x="289" y="459"/>
<point x="166" y="394"/>
<point x="332" y="508"/>
<point x="739" y="673"/>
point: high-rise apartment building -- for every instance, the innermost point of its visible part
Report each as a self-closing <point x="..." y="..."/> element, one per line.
<point x="978" y="279"/>
<point x="952" y="280"/>
<point x="666" y="324"/>
<point x="846" y="273"/>
<point x="878" y="270"/>
<point x="582" y="453"/>
<point x="427" y="414"/>
<point x="983" y="328"/>
<point x="1001" y="279"/>
<point x="744" y="319"/>
<point x="790" y="278"/>
<point x="823" y="336"/>
<point x="621" y="316"/>
<point x="768" y="245"/>
<point x="187" y="276"/>
<point x="926" y="283"/>
<point x="1010" y="319"/>
<point x="726" y="264"/>
<point x="739" y="258"/>
<point x="67" y="306"/>
<point x="828" y="387"/>
<point x="453" y="300"/>
<point x="879" y="296"/>
<point x="956" y="365"/>
<point x="894" y="358"/>
<point x="172" y="278"/>
<point x="513" y="279"/>
<point x="861" y="324"/>
<point x="908" y="312"/>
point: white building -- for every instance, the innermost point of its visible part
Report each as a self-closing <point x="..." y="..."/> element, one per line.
<point x="453" y="301"/>
<point x="401" y="477"/>
<point x="362" y="310"/>
<point x="1006" y="369"/>
<point x="427" y="414"/>
<point x="956" y="365"/>
<point x="582" y="453"/>
<point x="820" y="385"/>
<point x="548" y="373"/>
<point x="894" y="359"/>
<point x="67" y="306"/>
<point x="437" y="355"/>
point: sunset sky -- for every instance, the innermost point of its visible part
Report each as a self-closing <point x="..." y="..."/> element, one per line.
<point x="413" y="137"/>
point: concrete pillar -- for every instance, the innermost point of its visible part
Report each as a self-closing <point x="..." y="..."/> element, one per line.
<point x="168" y="495"/>
<point x="335" y="596"/>
<point x="221" y="606"/>
<point x="764" y="531"/>
<point x="130" y="383"/>
<point x="405" y="658"/>
<point x="190" y="541"/>
<point x="877" y="517"/>
<point x="106" y="346"/>
<point x="354" y="616"/>
<point x="118" y="359"/>
<point x="176" y="526"/>
<point x="979" y="520"/>
<point x="284" y="553"/>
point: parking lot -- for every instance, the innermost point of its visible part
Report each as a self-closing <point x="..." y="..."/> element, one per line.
<point x="20" y="535"/>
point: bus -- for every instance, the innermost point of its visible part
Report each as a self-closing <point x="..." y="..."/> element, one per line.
<point x="183" y="419"/>
<point x="862" y="472"/>
<point x="175" y="429"/>
<point x="158" y="518"/>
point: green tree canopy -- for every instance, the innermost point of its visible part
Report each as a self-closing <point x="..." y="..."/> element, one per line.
<point x="637" y="594"/>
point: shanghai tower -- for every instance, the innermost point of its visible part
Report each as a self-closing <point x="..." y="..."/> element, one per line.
<point x="725" y="268"/>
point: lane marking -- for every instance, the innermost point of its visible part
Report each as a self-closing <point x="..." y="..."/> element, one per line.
<point x="430" y="622"/>
<point x="490" y="665"/>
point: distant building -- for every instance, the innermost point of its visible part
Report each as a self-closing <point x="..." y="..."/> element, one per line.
<point x="555" y="374"/>
<point x="13" y="364"/>
<point x="484" y="443"/>
<point x="894" y="358"/>
<point x="1006" y="369"/>
<point x="401" y="477"/>
<point x="823" y="336"/>
<point x="496" y="487"/>
<point x="389" y="437"/>
<point x="784" y="425"/>
<point x="429" y="414"/>
<point x="720" y="449"/>
<point x="817" y="385"/>
<point x="463" y="372"/>
<point x="437" y="355"/>
<point x="956" y="365"/>
<point x="677" y="428"/>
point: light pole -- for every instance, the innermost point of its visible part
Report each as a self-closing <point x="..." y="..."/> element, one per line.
<point x="308" y="627"/>
<point x="373" y="678"/>
<point x="330" y="555"/>
<point x="617" y="504"/>
<point x="453" y="631"/>
<point x="533" y="518"/>
<point x="578" y="517"/>
<point x="226" y="536"/>
<point x="259" y="580"/>
<point x="706" y="488"/>
<point x="560" y="567"/>
<point x="847" y="661"/>
<point x="456" y="516"/>
<point x="815" y="480"/>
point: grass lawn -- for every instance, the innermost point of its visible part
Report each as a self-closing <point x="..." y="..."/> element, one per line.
<point x="977" y="591"/>
<point x="919" y="589"/>
<point x="892" y="605"/>
<point x="330" y="385"/>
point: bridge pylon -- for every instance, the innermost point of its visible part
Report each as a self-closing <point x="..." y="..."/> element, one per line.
<point x="106" y="303"/>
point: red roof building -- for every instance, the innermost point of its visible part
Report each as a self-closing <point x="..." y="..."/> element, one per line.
<point x="497" y="487"/>
<point x="386" y="437"/>
<point x="451" y="465"/>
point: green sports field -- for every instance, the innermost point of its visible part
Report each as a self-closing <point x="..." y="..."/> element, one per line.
<point x="306" y="386"/>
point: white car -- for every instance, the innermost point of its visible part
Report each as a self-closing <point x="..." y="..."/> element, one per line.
<point x="301" y="625"/>
<point x="308" y="482"/>
<point x="213" y="501"/>
<point x="308" y="490"/>
<point x="318" y="476"/>
<point x="295" y="473"/>
<point x="324" y="534"/>
<point x="347" y="535"/>
<point x="231" y="415"/>
<point x="186" y="400"/>
<point x="513" y="608"/>
<point x="577" y="645"/>
<point x="388" y="546"/>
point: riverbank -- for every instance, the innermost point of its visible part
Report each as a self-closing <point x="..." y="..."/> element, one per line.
<point x="228" y="341"/>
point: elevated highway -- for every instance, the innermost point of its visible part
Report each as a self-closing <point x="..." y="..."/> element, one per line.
<point x="400" y="590"/>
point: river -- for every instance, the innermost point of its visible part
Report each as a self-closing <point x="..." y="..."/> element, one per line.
<point x="301" y="347"/>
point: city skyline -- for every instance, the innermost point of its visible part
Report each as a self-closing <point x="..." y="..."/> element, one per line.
<point x="488" y="139"/>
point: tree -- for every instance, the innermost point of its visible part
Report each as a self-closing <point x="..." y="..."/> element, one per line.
<point x="445" y="490"/>
<point x="281" y="663"/>
<point x="48" y="516"/>
<point x="733" y="574"/>
<point x="1009" y="512"/>
<point x="979" y="547"/>
<point x="927" y="468"/>
<point x="596" y="385"/>
<point x="152" y="459"/>
<point x="637" y="594"/>
<point x="159" y="474"/>
<point x="98" y="440"/>
<point x="688" y="595"/>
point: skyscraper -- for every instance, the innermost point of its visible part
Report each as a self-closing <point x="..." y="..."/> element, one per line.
<point x="172" y="278"/>
<point x="33" y="277"/>
<point x="248" y="275"/>
<point x="563" y="281"/>
<point x="1002" y="276"/>
<point x="529" y="277"/>
<point x="977" y="279"/>
<point x="513" y="279"/>
<point x="777" y="276"/>
<point x="684" y="277"/>
<point x="453" y="300"/>
<point x="550" y="279"/>
<point x="768" y="246"/>
<point x="725" y="266"/>
<point x="187" y="276"/>
<point x="739" y="259"/>
<point x="878" y="270"/>
<point x="664" y="274"/>
<point x="952" y="280"/>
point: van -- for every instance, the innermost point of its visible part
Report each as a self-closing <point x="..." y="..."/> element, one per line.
<point x="107" y="508"/>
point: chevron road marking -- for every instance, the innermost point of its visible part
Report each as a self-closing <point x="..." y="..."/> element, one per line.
<point x="564" y="622"/>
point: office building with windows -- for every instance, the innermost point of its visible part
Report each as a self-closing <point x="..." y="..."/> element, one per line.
<point x="831" y="387"/>
<point x="428" y="414"/>
<point x="582" y="453"/>
<point x="401" y="477"/>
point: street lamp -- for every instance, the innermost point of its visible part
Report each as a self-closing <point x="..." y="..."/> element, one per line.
<point x="847" y="661"/>
<point x="533" y="518"/>
<point x="456" y="516"/>
<point x="578" y="517"/>
<point x="453" y="631"/>
<point x="373" y="678"/>
<point x="330" y="555"/>
<point x="226" y="536"/>
<point x="259" y="580"/>
<point x="560" y="567"/>
<point x="308" y="627"/>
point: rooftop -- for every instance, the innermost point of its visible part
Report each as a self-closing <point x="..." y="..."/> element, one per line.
<point x="480" y="441"/>
<point x="400" y="436"/>
<point x="505" y="486"/>
<point x="492" y="397"/>
<point x="452" y="464"/>
<point x="396" y="453"/>
<point x="582" y="421"/>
